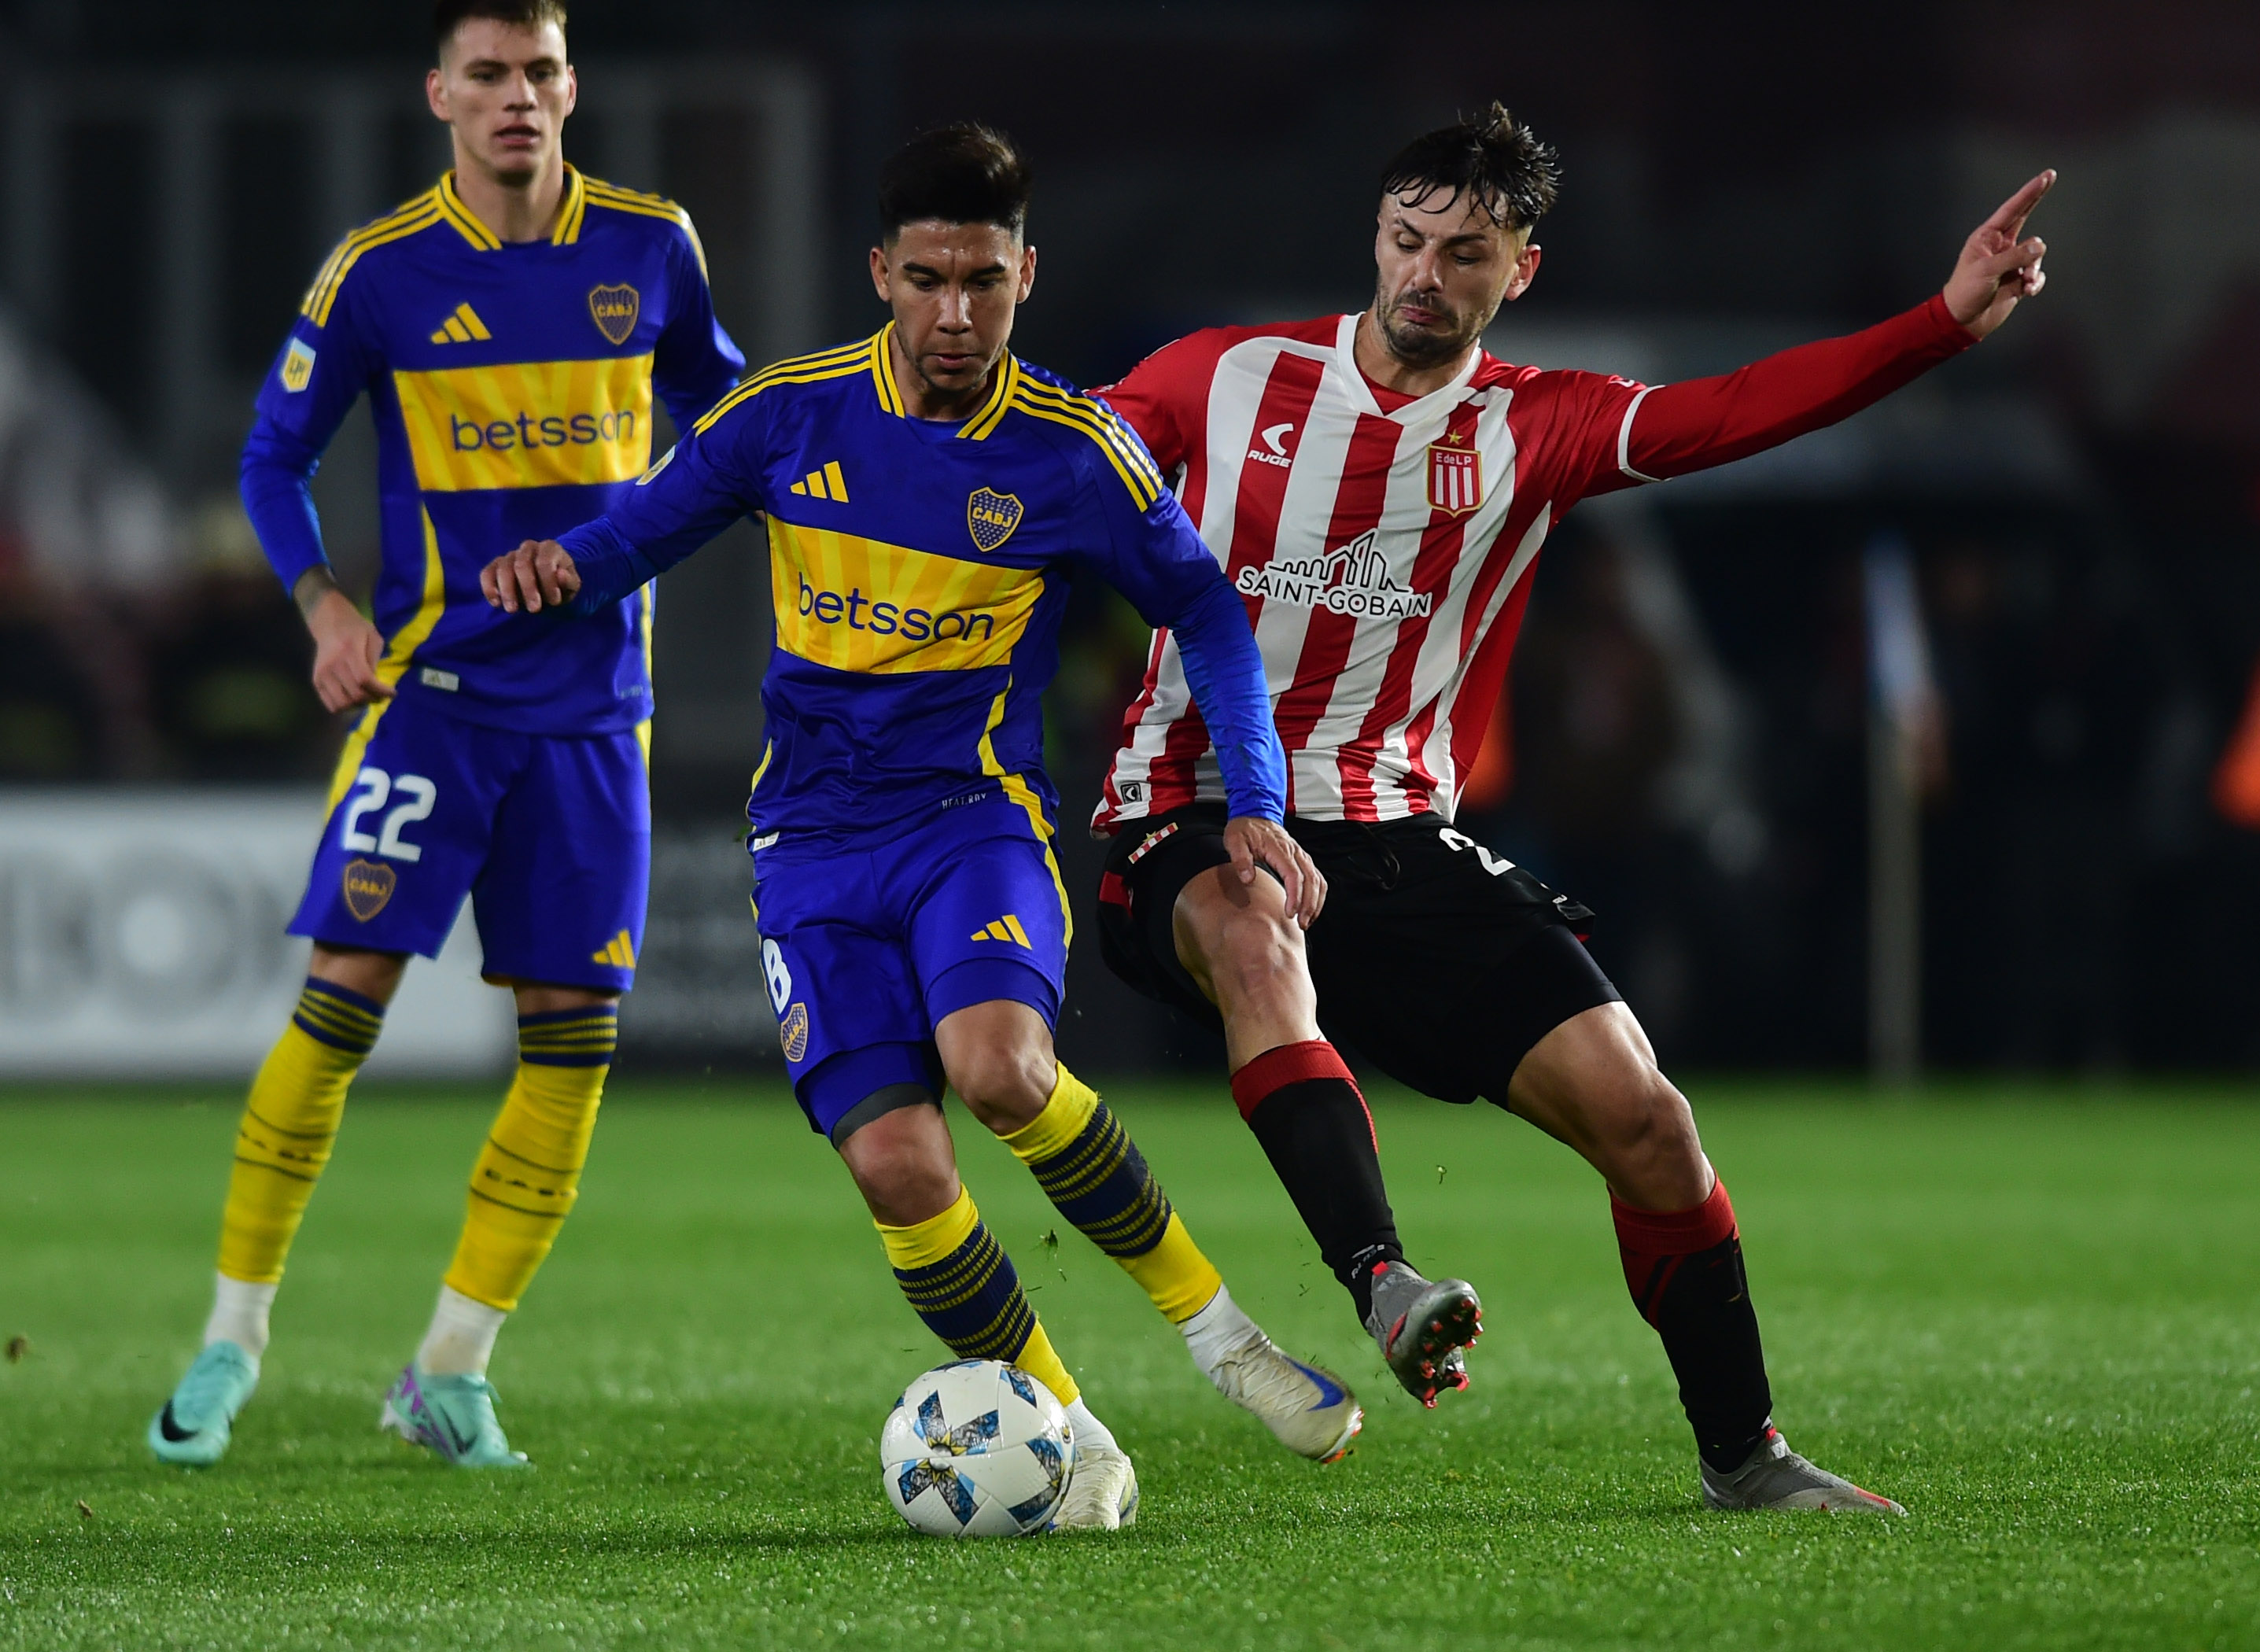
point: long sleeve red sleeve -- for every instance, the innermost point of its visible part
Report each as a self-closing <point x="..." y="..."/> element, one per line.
<point x="1673" y="429"/>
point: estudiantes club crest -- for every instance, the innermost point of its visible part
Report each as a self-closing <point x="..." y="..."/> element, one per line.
<point x="1455" y="478"/>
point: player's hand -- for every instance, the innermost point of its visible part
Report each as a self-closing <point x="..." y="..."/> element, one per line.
<point x="347" y="648"/>
<point x="1254" y="840"/>
<point x="1999" y="267"/>
<point x="538" y="572"/>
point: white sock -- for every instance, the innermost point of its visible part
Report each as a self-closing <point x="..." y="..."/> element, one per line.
<point x="1089" y="1431"/>
<point x="239" y="1315"/>
<point x="462" y="1335"/>
<point x="1218" y="1332"/>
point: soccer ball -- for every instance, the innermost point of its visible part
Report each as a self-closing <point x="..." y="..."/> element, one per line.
<point x="977" y="1449"/>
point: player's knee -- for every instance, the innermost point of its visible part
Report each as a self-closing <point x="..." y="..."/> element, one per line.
<point x="1248" y="949"/>
<point x="1004" y="1085"/>
<point x="902" y="1165"/>
<point x="1649" y="1141"/>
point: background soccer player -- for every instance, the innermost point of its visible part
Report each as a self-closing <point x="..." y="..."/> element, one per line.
<point x="1377" y="486"/>
<point x="925" y="492"/>
<point x="509" y="325"/>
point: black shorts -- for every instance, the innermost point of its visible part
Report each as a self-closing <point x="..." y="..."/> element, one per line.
<point x="1437" y="961"/>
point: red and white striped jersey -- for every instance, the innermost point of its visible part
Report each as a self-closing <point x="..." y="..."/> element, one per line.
<point x="1384" y="545"/>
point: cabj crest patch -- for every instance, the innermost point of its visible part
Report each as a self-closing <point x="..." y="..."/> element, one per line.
<point x="298" y="366"/>
<point x="792" y="1031"/>
<point x="614" y="311"/>
<point x="369" y="884"/>
<point x="991" y="517"/>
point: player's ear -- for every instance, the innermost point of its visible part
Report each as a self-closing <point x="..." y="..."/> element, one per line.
<point x="1526" y="271"/>
<point x="435" y="94"/>
<point x="1027" y="274"/>
<point x="879" y="274"/>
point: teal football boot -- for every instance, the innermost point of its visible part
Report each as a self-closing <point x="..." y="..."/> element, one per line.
<point x="199" y="1419"/>
<point x="453" y="1416"/>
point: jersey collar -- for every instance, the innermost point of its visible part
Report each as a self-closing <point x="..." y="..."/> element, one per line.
<point x="981" y="425"/>
<point x="1360" y="397"/>
<point x="572" y="208"/>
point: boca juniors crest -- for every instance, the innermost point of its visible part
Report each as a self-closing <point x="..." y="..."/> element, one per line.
<point x="368" y="885"/>
<point x="1455" y="478"/>
<point x="990" y="516"/>
<point x="614" y="311"/>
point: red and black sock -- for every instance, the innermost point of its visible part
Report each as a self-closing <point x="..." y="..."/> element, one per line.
<point x="1684" y="1269"/>
<point x="1305" y="1108"/>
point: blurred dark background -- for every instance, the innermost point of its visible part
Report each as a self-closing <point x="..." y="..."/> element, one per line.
<point x="1683" y="740"/>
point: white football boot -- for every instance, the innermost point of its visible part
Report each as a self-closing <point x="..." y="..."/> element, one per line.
<point x="1102" y="1493"/>
<point x="1309" y="1409"/>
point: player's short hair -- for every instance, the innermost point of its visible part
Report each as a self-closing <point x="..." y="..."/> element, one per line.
<point x="1491" y="158"/>
<point x="963" y="173"/>
<point x="447" y="16"/>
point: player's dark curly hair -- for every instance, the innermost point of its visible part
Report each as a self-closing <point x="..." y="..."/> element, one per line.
<point x="1491" y="158"/>
<point x="963" y="173"/>
<point x="447" y="16"/>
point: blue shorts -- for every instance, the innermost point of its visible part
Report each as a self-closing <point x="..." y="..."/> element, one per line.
<point x="867" y="950"/>
<point x="549" y="835"/>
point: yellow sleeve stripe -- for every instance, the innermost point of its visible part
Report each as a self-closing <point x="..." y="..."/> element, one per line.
<point x="800" y="369"/>
<point x="465" y="222"/>
<point x="1137" y="471"/>
<point x="406" y="219"/>
<point x="571" y="209"/>
<point x="1104" y="417"/>
<point x="599" y="193"/>
<point x="1000" y="399"/>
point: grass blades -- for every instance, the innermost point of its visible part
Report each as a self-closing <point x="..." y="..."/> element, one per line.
<point x="2028" y="1315"/>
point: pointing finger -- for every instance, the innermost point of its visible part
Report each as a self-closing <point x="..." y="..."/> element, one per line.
<point x="2009" y="217"/>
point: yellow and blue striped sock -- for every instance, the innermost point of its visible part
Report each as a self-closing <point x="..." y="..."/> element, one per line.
<point x="961" y="1284"/>
<point x="528" y="1174"/>
<point x="1090" y="1168"/>
<point x="289" y="1124"/>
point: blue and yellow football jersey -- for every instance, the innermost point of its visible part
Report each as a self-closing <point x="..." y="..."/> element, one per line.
<point x="512" y="386"/>
<point x="918" y="570"/>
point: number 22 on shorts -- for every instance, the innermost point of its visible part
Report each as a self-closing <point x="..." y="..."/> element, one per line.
<point x="373" y="789"/>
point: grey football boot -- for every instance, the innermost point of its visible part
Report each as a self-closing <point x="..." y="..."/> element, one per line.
<point x="1776" y="1477"/>
<point x="1420" y="1327"/>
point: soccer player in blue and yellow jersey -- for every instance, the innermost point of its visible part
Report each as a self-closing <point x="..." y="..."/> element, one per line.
<point x="925" y="494"/>
<point x="509" y="326"/>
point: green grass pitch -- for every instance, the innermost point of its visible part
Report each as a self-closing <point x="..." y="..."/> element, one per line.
<point x="2032" y="1317"/>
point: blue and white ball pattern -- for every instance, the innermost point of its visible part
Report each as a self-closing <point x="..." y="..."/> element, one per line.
<point x="976" y="1449"/>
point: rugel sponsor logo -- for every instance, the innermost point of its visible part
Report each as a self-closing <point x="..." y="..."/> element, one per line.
<point x="1274" y="451"/>
<point x="859" y="613"/>
<point x="1353" y="581"/>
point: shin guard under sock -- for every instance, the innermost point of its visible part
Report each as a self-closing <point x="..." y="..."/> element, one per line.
<point x="1306" y="1110"/>
<point x="961" y="1284"/>
<point x="1684" y="1270"/>
<point x="1092" y="1171"/>
<point x="288" y="1125"/>
<point x="528" y="1174"/>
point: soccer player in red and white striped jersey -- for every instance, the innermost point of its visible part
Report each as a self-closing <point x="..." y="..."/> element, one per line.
<point x="1377" y="486"/>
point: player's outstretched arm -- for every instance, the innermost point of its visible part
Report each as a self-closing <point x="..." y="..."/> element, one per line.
<point x="539" y="573"/>
<point x="1999" y="266"/>
<point x="346" y="647"/>
<point x="1637" y="433"/>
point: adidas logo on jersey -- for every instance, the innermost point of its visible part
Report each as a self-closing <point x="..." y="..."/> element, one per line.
<point x="462" y="327"/>
<point x="1005" y="928"/>
<point x="827" y="483"/>
<point x="1353" y="581"/>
